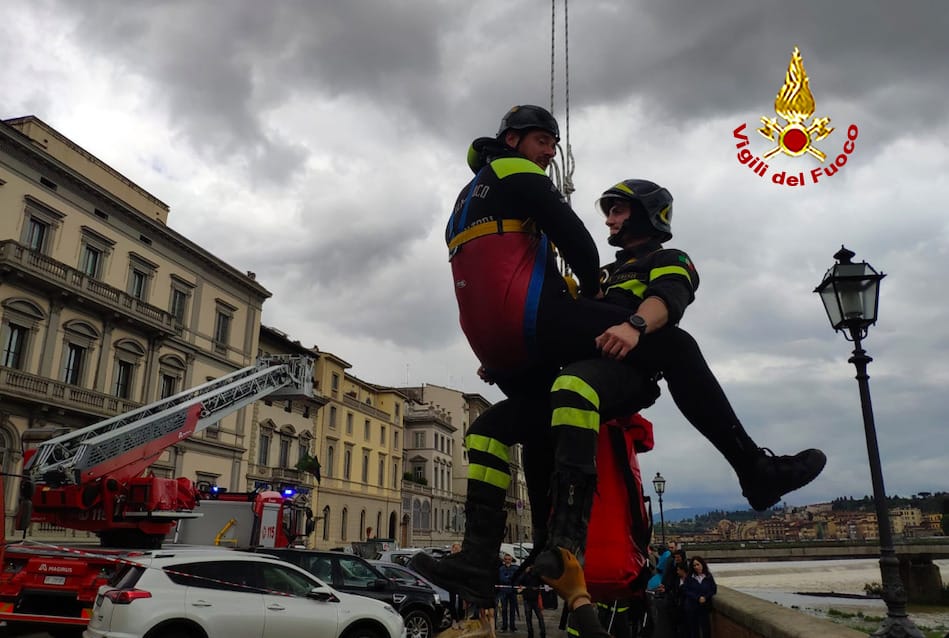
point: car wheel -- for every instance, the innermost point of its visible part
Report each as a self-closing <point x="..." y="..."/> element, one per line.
<point x="173" y="632"/>
<point x="418" y="624"/>
<point x="366" y="632"/>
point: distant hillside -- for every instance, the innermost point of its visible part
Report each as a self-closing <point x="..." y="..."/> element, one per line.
<point x="682" y="513"/>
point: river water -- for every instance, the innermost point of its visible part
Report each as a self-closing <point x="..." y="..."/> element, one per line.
<point x="778" y="581"/>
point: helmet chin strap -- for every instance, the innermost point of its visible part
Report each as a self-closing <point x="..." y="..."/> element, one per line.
<point x="636" y="225"/>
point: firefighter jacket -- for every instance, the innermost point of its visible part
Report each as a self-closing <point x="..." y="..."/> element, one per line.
<point x="651" y="270"/>
<point x="499" y="238"/>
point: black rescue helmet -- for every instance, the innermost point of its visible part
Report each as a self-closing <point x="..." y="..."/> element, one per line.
<point x="646" y="196"/>
<point x="528" y="116"/>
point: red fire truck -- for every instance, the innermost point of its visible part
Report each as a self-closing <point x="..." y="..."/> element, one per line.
<point x="92" y="479"/>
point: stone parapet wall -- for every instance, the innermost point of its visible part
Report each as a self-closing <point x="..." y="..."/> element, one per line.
<point x="738" y="615"/>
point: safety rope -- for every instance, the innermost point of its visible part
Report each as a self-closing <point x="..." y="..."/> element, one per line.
<point x="561" y="171"/>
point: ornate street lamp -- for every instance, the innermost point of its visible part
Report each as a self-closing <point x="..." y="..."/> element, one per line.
<point x="659" y="484"/>
<point x="851" y="295"/>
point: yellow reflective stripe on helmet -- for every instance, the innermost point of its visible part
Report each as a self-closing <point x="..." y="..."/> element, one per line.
<point x="623" y="187"/>
<point x="576" y="418"/>
<point x="507" y="166"/>
<point x="572" y="632"/>
<point x="486" y="444"/>
<point x="655" y="273"/>
<point x="577" y="386"/>
<point x="489" y="475"/>
<point x="491" y="228"/>
<point x="635" y="286"/>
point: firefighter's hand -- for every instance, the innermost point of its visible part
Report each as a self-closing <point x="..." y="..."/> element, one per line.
<point x="570" y="585"/>
<point x="485" y="376"/>
<point x="617" y="341"/>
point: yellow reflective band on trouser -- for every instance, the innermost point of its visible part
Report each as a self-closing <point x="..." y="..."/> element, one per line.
<point x="489" y="475"/>
<point x="655" y="273"/>
<point x="576" y="418"/>
<point x="488" y="445"/>
<point x="577" y="385"/>
<point x="572" y="632"/>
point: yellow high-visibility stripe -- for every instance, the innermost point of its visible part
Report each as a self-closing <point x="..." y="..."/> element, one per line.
<point x="572" y="632"/>
<point x="574" y="417"/>
<point x="489" y="475"/>
<point x="577" y="386"/>
<point x="506" y="166"/>
<point x="655" y="273"/>
<point x="490" y="228"/>
<point x="486" y="444"/>
<point x="633" y="285"/>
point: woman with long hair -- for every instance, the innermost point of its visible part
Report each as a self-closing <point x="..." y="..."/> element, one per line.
<point x="698" y="590"/>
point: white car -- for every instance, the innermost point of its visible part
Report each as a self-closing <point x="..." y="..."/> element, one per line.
<point x="228" y="594"/>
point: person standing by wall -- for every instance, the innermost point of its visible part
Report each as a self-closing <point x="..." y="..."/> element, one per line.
<point x="507" y="594"/>
<point x="699" y="589"/>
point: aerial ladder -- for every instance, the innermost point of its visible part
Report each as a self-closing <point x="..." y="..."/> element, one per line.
<point x="91" y="479"/>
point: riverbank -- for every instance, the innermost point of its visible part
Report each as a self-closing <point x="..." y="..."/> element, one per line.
<point x="778" y="582"/>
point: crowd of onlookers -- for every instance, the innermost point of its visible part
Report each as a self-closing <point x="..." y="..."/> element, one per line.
<point x="678" y="599"/>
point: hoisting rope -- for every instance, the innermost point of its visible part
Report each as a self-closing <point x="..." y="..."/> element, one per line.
<point x="562" y="176"/>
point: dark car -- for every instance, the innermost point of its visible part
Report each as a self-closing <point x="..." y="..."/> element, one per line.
<point x="419" y="605"/>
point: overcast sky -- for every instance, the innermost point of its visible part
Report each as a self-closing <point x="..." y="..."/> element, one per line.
<point x="321" y="145"/>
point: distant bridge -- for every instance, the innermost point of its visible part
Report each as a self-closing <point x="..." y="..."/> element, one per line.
<point x="754" y="551"/>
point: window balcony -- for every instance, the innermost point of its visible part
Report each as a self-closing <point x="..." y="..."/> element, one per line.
<point x="62" y="395"/>
<point x="48" y="273"/>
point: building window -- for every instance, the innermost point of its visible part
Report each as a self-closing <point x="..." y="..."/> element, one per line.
<point x="347" y="463"/>
<point x="367" y="430"/>
<point x="91" y="261"/>
<point x="349" y="423"/>
<point x="128" y="353"/>
<point x="334" y="384"/>
<point x="169" y="385"/>
<point x="14" y="346"/>
<point x="263" y="454"/>
<point x="39" y="227"/>
<point x="419" y="439"/>
<point x="222" y="329"/>
<point x="333" y="416"/>
<point x="179" y="304"/>
<point x="418" y="471"/>
<point x="362" y="525"/>
<point x="75" y="360"/>
<point x="36" y="234"/>
<point x="382" y="435"/>
<point x="416" y="514"/>
<point x="395" y="475"/>
<point x="123" y="379"/>
<point x="397" y="406"/>
<point x="303" y="448"/>
<point x="382" y="471"/>
<point x="326" y="523"/>
<point x="365" y="467"/>
<point x="343" y="521"/>
<point x="329" y="461"/>
<point x="395" y="440"/>
<point x="138" y="283"/>
<point x="284" y="460"/>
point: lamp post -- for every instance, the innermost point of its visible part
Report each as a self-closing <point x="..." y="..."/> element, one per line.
<point x="851" y="296"/>
<point x="659" y="484"/>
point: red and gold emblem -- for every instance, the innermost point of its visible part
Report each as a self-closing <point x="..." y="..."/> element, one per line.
<point x="795" y="105"/>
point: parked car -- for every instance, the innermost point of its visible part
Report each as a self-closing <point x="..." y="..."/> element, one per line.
<point x="175" y="594"/>
<point x="397" y="556"/>
<point x="404" y="575"/>
<point x="420" y="607"/>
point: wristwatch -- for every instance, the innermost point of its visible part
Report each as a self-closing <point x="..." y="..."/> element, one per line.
<point x="638" y="323"/>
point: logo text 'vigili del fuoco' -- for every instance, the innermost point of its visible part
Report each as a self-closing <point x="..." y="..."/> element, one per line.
<point x="795" y="133"/>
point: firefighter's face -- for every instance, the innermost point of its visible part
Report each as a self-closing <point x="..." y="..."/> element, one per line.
<point x="536" y="145"/>
<point x="618" y="212"/>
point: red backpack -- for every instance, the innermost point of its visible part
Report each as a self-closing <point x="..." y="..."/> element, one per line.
<point x="620" y="524"/>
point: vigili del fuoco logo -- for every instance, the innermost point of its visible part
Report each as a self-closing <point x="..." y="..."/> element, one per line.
<point x="795" y="132"/>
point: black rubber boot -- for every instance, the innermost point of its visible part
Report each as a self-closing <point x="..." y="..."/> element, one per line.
<point x="572" y="498"/>
<point x="768" y="477"/>
<point x="472" y="573"/>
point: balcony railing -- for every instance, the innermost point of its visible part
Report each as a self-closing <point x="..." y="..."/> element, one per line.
<point x="365" y="407"/>
<point x="31" y="386"/>
<point x="40" y="266"/>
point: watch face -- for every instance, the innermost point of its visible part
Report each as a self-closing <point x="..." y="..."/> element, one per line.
<point x="638" y="322"/>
